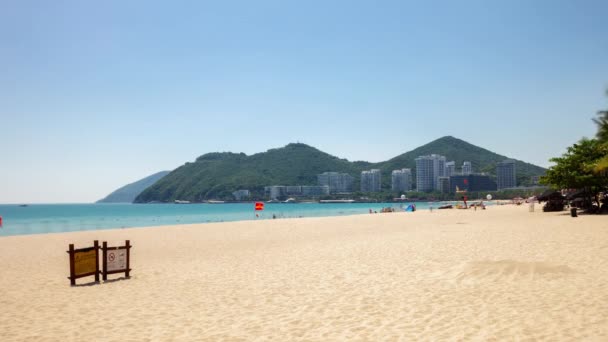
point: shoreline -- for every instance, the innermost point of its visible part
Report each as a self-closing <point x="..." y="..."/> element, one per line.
<point x="44" y="219"/>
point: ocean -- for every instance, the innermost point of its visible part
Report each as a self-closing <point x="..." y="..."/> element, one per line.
<point x="55" y="218"/>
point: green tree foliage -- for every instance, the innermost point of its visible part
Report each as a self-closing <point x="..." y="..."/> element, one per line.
<point x="601" y="121"/>
<point x="585" y="164"/>
<point x="602" y="124"/>
<point x="575" y="168"/>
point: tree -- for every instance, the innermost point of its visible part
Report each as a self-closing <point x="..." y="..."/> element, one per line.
<point x="602" y="124"/>
<point x="575" y="169"/>
<point x="601" y="121"/>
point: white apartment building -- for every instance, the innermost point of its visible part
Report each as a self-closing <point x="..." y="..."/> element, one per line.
<point x="401" y="180"/>
<point x="371" y="181"/>
<point x="428" y="170"/>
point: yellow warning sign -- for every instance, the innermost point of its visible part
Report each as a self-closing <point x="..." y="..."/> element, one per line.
<point x="84" y="262"/>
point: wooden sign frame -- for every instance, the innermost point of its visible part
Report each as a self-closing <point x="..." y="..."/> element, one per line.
<point x="105" y="250"/>
<point x="72" y="252"/>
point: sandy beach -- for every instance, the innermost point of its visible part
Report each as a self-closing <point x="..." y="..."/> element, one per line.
<point x="497" y="274"/>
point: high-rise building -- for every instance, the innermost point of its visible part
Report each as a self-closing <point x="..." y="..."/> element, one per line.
<point x="439" y="170"/>
<point x="274" y="191"/>
<point x="315" y="190"/>
<point x="370" y="181"/>
<point x="505" y="174"/>
<point x="450" y="168"/>
<point x="293" y="190"/>
<point x="424" y="174"/>
<point x="428" y="169"/>
<point x="471" y="183"/>
<point x="337" y="182"/>
<point x="467" y="169"/>
<point x="240" y="195"/>
<point x="401" y="180"/>
<point x="443" y="184"/>
<point x="281" y="191"/>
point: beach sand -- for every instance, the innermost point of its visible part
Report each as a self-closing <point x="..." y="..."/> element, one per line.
<point x="497" y="274"/>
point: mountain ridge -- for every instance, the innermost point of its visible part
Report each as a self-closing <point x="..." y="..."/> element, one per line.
<point x="216" y="175"/>
<point x="458" y="150"/>
<point x="128" y="193"/>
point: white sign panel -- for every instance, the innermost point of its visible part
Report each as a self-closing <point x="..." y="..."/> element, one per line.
<point x="116" y="260"/>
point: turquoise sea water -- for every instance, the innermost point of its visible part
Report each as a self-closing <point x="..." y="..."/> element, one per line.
<point x="54" y="218"/>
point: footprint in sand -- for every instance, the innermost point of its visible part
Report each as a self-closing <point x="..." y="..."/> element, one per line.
<point x="508" y="270"/>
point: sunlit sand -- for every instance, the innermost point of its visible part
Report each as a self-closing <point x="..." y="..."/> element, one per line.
<point x="502" y="273"/>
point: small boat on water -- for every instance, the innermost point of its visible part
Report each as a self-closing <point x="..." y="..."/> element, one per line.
<point x="290" y="200"/>
<point x="23" y="205"/>
<point x="215" y="202"/>
<point x="181" y="202"/>
<point x="337" y="201"/>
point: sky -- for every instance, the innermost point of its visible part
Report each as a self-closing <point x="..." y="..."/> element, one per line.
<point x="98" y="94"/>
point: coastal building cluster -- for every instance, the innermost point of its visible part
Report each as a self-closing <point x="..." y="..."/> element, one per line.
<point x="338" y="183"/>
<point x="279" y="191"/>
<point x="241" y="195"/>
<point x="434" y="173"/>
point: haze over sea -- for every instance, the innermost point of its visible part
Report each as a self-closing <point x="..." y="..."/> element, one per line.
<point x="54" y="218"/>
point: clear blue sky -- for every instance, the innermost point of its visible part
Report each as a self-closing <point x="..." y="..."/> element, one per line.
<point x="95" y="95"/>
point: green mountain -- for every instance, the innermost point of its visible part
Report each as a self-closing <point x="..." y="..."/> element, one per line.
<point x="129" y="192"/>
<point x="217" y="175"/>
<point x="458" y="151"/>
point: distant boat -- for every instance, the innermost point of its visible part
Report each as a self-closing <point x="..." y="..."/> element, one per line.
<point x="290" y="200"/>
<point x="23" y="205"/>
<point x="181" y="202"/>
<point x="273" y="201"/>
<point x="337" y="201"/>
<point x="215" y="202"/>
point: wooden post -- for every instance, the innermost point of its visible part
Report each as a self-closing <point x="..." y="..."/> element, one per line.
<point x="104" y="256"/>
<point x="96" y="246"/>
<point x="72" y="268"/>
<point x="128" y="244"/>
